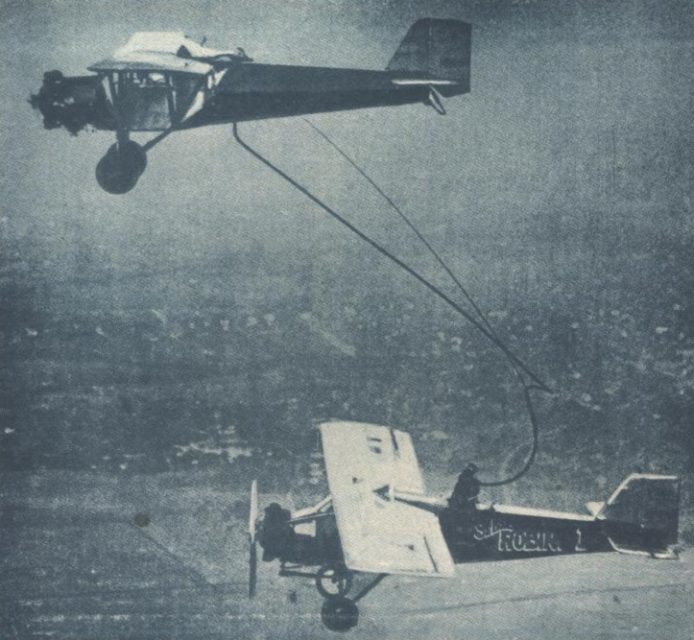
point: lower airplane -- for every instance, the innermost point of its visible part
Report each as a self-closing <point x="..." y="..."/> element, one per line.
<point x="378" y="520"/>
<point x="164" y="82"/>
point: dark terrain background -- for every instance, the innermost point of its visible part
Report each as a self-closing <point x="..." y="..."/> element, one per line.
<point x="200" y="326"/>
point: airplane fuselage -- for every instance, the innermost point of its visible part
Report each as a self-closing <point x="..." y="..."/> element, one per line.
<point x="259" y="91"/>
<point x="500" y="532"/>
<point x="495" y="535"/>
<point x="245" y="91"/>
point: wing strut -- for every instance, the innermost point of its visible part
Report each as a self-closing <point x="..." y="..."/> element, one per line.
<point x="367" y="589"/>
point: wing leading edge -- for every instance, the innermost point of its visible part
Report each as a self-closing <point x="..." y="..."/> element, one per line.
<point x="378" y="534"/>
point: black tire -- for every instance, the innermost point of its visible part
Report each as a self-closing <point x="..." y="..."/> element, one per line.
<point x="118" y="171"/>
<point x="339" y="614"/>
<point x="135" y="155"/>
<point x="341" y="581"/>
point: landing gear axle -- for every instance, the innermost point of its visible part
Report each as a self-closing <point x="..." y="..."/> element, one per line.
<point x="333" y="583"/>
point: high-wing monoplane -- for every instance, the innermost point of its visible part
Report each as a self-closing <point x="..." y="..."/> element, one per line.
<point x="378" y="520"/>
<point x="162" y="82"/>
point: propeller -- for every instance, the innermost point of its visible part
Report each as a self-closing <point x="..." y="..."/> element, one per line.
<point x="253" y="557"/>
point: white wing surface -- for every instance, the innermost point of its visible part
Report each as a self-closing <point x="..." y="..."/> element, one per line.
<point x="152" y="61"/>
<point x="378" y="534"/>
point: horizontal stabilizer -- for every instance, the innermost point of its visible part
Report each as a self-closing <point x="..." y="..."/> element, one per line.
<point x="594" y="508"/>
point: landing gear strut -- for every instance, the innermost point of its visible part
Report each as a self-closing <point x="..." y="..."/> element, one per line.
<point x="340" y="613"/>
<point x="119" y="170"/>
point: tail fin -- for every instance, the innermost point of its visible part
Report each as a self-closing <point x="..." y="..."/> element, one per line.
<point x="642" y="515"/>
<point x="436" y="50"/>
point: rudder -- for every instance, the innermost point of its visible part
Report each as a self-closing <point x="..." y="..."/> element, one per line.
<point x="642" y="515"/>
<point x="436" y="49"/>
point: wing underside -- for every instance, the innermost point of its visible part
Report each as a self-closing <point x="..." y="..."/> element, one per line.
<point x="378" y="534"/>
<point x="153" y="61"/>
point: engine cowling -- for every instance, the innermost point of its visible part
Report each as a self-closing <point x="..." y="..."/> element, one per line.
<point x="72" y="103"/>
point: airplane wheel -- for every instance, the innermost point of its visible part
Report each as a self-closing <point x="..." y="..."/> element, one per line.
<point x="333" y="583"/>
<point x="339" y="614"/>
<point x="118" y="171"/>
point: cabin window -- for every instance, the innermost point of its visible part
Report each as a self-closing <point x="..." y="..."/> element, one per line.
<point x="151" y="100"/>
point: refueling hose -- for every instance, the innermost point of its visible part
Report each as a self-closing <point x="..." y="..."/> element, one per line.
<point x="481" y="323"/>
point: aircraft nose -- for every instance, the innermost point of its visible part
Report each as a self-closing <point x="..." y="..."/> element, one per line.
<point x="48" y="101"/>
<point x="66" y="102"/>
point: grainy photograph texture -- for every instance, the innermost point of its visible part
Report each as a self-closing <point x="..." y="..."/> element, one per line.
<point x="327" y="317"/>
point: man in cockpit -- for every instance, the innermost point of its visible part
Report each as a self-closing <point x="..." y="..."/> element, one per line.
<point x="466" y="491"/>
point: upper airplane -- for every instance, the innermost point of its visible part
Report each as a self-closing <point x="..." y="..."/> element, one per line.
<point x="162" y="82"/>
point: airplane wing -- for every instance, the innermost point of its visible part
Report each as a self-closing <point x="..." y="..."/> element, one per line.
<point x="378" y="534"/>
<point x="152" y="61"/>
<point x="161" y="51"/>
